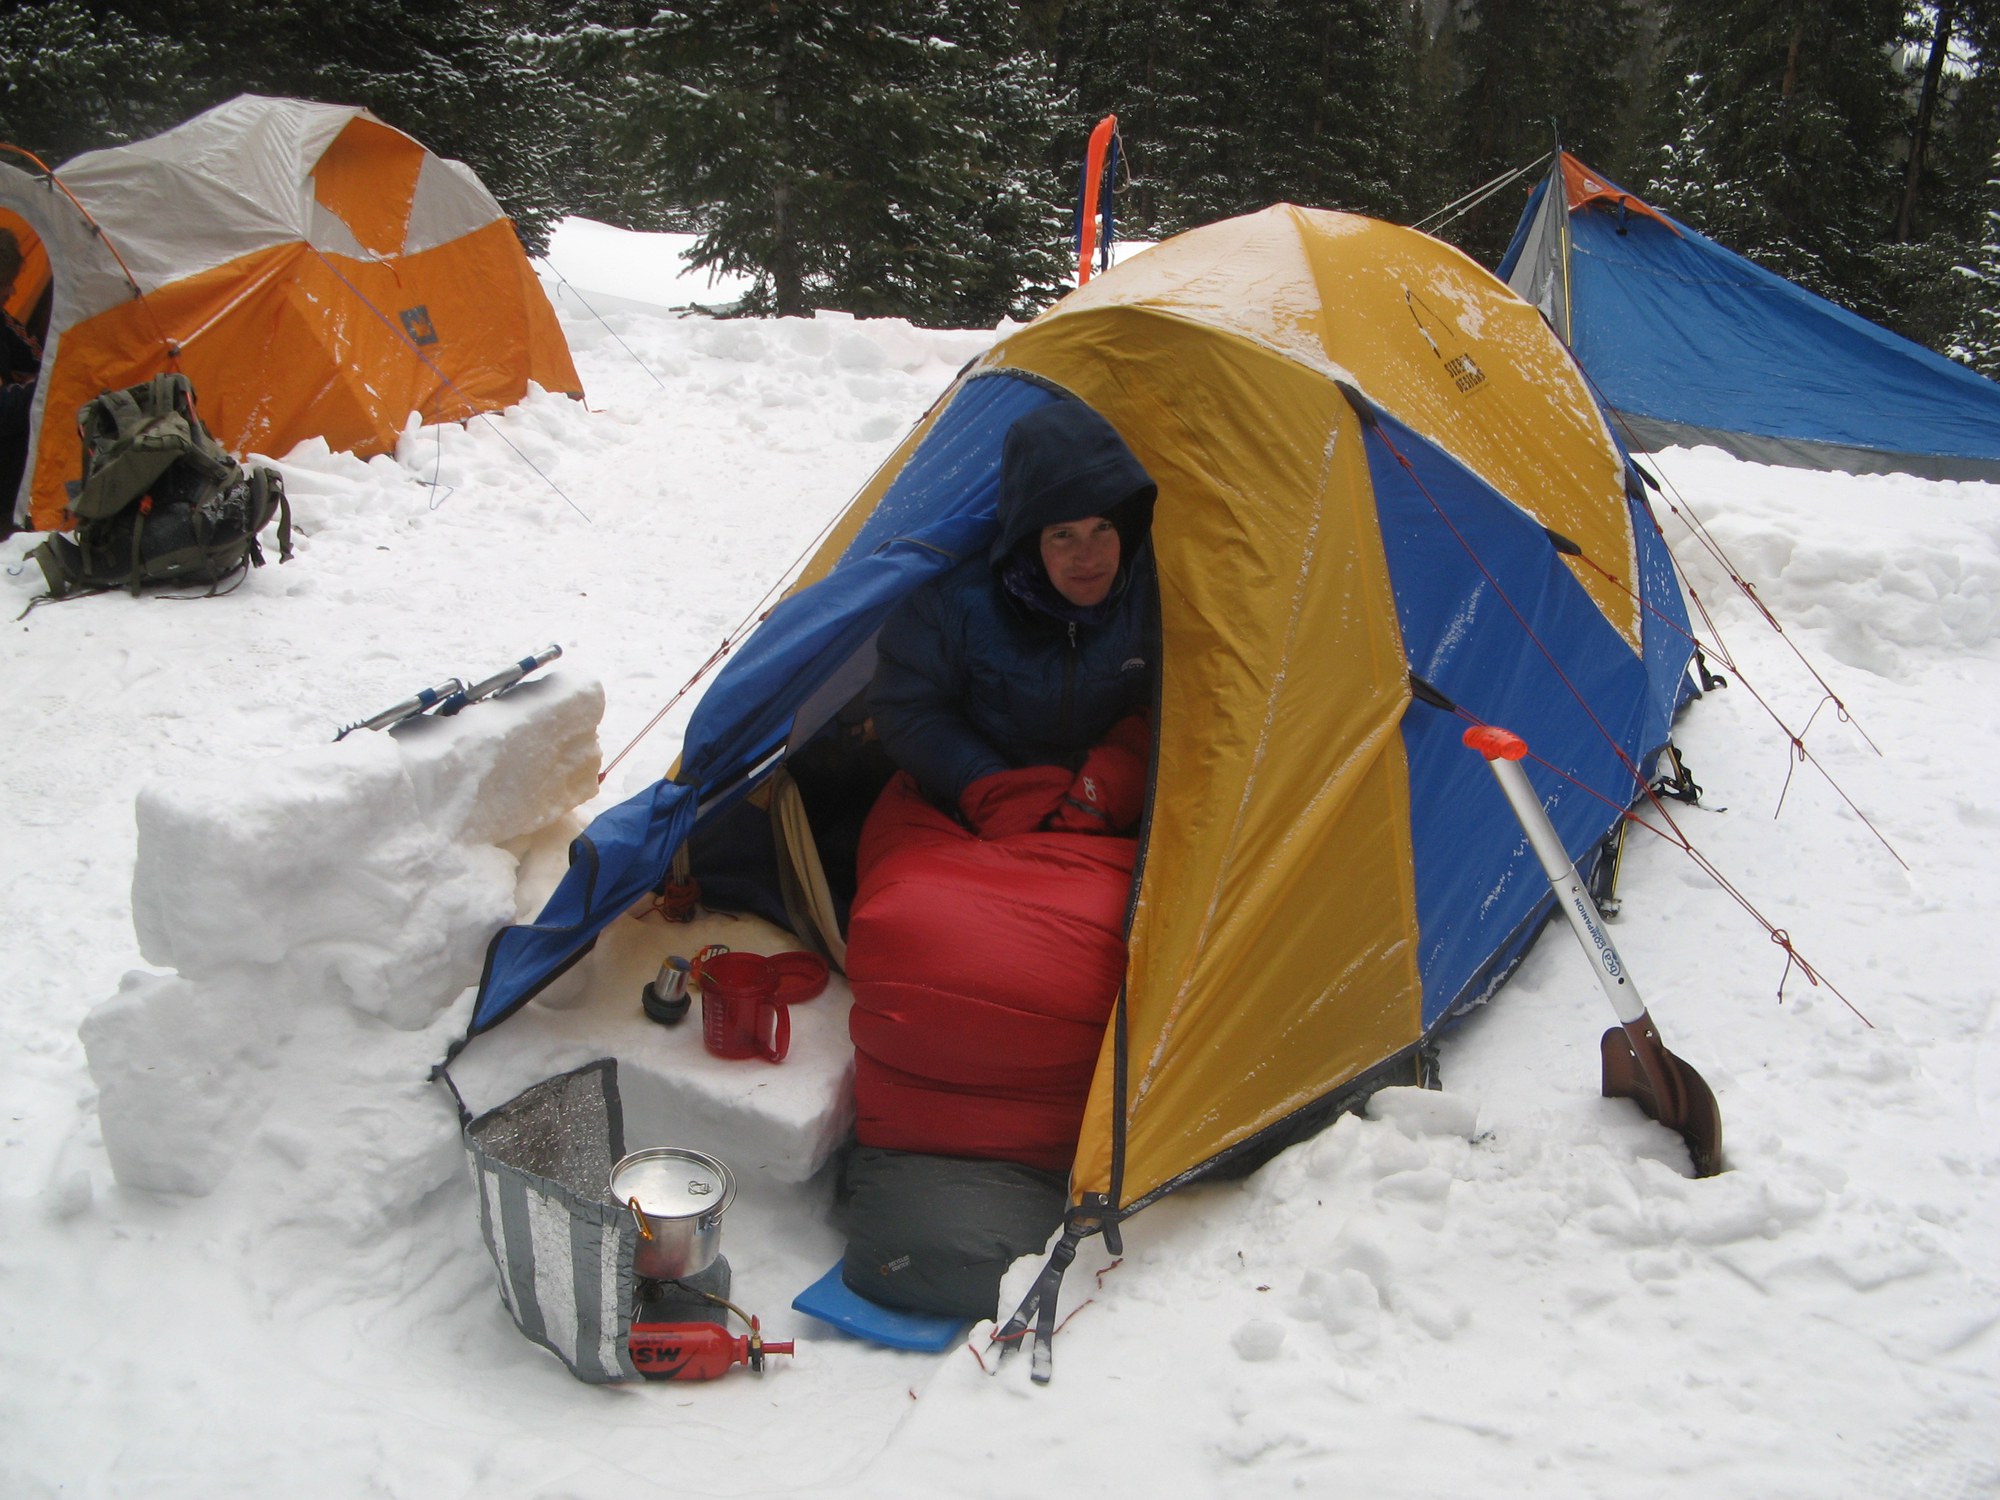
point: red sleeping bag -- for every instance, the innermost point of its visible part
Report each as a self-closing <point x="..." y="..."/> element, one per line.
<point x="983" y="973"/>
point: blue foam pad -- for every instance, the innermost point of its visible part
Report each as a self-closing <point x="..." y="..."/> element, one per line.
<point x="831" y="1300"/>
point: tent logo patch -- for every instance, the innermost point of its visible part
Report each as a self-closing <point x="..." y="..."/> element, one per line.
<point x="1464" y="373"/>
<point x="1460" y="368"/>
<point x="417" y="324"/>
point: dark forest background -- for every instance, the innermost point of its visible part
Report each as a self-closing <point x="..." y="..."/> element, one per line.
<point x="921" y="157"/>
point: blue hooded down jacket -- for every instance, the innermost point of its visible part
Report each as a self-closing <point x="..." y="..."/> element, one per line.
<point x="988" y="668"/>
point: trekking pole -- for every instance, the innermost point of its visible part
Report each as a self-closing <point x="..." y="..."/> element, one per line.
<point x="409" y="708"/>
<point x="1637" y="1065"/>
<point x="499" y="682"/>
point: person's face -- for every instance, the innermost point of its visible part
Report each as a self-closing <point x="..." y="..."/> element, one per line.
<point x="1081" y="558"/>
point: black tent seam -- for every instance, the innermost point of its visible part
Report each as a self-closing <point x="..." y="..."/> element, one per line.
<point x="1120" y="1040"/>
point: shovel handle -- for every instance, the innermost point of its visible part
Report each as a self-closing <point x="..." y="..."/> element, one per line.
<point x="1637" y="1064"/>
<point x="1503" y="752"/>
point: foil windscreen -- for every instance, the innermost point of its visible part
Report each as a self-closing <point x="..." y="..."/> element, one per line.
<point x="569" y="1129"/>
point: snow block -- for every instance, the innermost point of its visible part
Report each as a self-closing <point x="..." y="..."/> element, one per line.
<point x="324" y="864"/>
<point x="368" y="867"/>
<point x="779" y="1122"/>
<point x="506" y="767"/>
<point x="182" y="1070"/>
<point x="361" y="878"/>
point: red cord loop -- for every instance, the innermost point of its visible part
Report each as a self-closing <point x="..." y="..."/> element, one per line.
<point x="679" y="901"/>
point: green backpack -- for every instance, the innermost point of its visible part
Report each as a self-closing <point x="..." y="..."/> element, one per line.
<point x="160" y="501"/>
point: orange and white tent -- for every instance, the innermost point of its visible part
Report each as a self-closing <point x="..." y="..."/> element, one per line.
<point x="314" y="273"/>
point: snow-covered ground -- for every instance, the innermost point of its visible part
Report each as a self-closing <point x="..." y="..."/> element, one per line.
<point x="1512" y="1290"/>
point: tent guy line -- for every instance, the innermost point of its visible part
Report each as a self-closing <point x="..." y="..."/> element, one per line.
<point x="584" y="301"/>
<point x="1686" y="514"/>
<point x="1375" y="431"/>
<point x="1458" y="208"/>
<point x="786" y="579"/>
<point x="1797" y="750"/>
<point x="1663" y="485"/>
<point x="754" y="617"/>
<point x="1678" y="839"/>
<point x="1715" y="645"/>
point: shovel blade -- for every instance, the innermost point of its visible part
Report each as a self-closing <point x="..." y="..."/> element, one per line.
<point x="1637" y="1066"/>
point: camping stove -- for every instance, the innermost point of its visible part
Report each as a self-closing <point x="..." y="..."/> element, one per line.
<point x="675" y="1334"/>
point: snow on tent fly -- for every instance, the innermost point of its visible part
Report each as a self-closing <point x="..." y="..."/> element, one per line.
<point x="314" y="272"/>
<point x="1689" y="343"/>
<point x="1387" y="502"/>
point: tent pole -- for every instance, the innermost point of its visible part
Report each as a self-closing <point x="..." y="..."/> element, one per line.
<point x="1559" y="192"/>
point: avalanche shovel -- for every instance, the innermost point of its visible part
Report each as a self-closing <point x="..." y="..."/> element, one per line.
<point x="1637" y="1066"/>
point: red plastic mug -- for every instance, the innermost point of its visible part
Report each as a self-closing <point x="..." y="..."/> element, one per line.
<point x="737" y="989"/>
<point x="741" y="1014"/>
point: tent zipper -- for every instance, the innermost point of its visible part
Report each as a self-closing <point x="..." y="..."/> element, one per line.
<point x="1068" y="687"/>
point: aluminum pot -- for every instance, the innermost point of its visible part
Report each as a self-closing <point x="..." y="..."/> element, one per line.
<point x="677" y="1198"/>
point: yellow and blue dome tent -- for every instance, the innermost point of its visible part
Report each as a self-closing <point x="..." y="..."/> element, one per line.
<point x="1387" y="504"/>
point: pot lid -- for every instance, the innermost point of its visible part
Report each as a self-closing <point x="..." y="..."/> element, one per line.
<point x="671" y="1183"/>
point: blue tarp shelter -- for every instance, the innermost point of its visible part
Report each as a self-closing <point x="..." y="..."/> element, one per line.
<point x="1688" y="343"/>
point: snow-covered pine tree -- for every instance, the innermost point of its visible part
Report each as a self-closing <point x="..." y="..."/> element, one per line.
<point x="1230" y="105"/>
<point x="1978" y="341"/>
<point x="1781" y="122"/>
<point x="1528" y="69"/>
<point x="1432" y="175"/>
<point x="1155" y="66"/>
<point x="968" y="228"/>
<point x="1322" y="127"/>
<point x="587" y="46"/>
<point x="1952" y="97"/>
<point x="866" y="156"/>
<point x="1951" y="70"/>
<point x="465" y="77"/>
<point x="76" y="77"/>
<point x="456" y="74"/>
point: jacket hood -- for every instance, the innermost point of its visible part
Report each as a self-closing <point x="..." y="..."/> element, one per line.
<point x="1062" y="462"/>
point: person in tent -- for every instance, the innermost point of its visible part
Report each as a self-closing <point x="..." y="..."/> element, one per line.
<point x="20" y="367"/>
<point x="986" y="943"/>
<point x="1009" y="687"/>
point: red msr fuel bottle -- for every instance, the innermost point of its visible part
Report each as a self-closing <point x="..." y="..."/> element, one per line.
<point x="697" y="1351"/>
